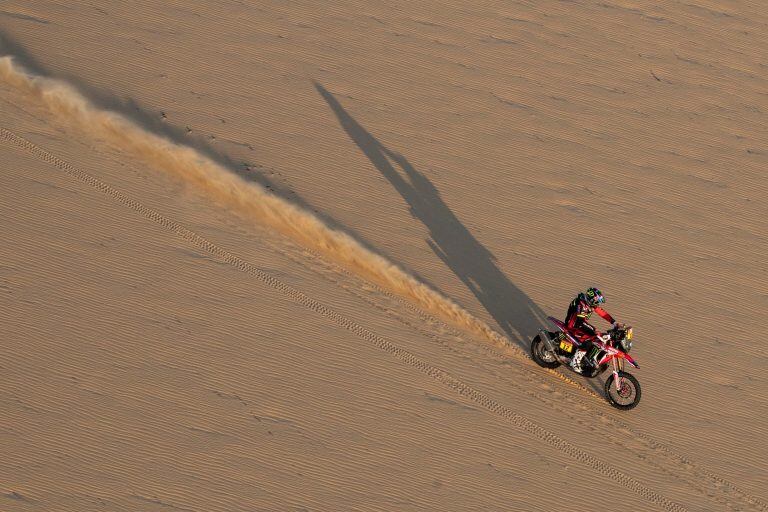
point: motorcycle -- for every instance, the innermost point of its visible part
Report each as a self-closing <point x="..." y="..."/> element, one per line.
<point x="551" y="349"/>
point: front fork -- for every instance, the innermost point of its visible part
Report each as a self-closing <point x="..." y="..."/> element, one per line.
<point x="618" y="365"/>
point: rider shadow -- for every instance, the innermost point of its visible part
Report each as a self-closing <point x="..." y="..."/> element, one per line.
<point x="517" y="315"/>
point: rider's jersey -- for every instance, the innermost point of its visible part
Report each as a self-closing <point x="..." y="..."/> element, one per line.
<point x="577" y="318"/>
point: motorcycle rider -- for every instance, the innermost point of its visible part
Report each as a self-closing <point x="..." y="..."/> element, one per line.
<point x="577" y="321"/>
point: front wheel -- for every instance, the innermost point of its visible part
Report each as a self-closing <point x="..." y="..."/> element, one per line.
<point x="541" y="355"/>
<point x="627" y="396"/>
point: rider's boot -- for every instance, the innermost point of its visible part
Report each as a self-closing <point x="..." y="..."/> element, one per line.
<point x="576" y="360"/>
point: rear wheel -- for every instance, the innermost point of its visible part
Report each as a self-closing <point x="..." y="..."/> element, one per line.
<point x="541" y="355"/>
<point x="627" y="396"/>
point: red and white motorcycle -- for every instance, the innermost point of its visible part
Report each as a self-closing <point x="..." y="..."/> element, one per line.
<point x="551" y="349"/>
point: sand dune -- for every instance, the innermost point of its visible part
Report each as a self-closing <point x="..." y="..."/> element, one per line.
<point x="284" y="257"/>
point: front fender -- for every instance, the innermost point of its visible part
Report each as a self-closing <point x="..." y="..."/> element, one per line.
<point x="630" y="360"/>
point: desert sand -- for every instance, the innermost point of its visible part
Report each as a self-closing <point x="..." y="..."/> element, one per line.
<point x="290" y="255"/>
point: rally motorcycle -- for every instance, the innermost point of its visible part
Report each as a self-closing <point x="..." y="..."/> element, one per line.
<point x="551" y="349"/>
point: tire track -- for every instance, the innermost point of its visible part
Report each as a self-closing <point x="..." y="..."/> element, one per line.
<point x="519" y="421"/>
<point x="322" y="267"/>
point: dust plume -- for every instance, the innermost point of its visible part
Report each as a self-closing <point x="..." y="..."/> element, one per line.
<point x="231" y="191"/>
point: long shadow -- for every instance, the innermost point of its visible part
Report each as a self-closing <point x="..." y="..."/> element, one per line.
<point x="517" y="315"/>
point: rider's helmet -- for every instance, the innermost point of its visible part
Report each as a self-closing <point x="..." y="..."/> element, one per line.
<point x="594" y="297"/>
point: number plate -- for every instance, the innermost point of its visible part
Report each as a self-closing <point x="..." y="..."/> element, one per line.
<point x="566" y="346"/>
